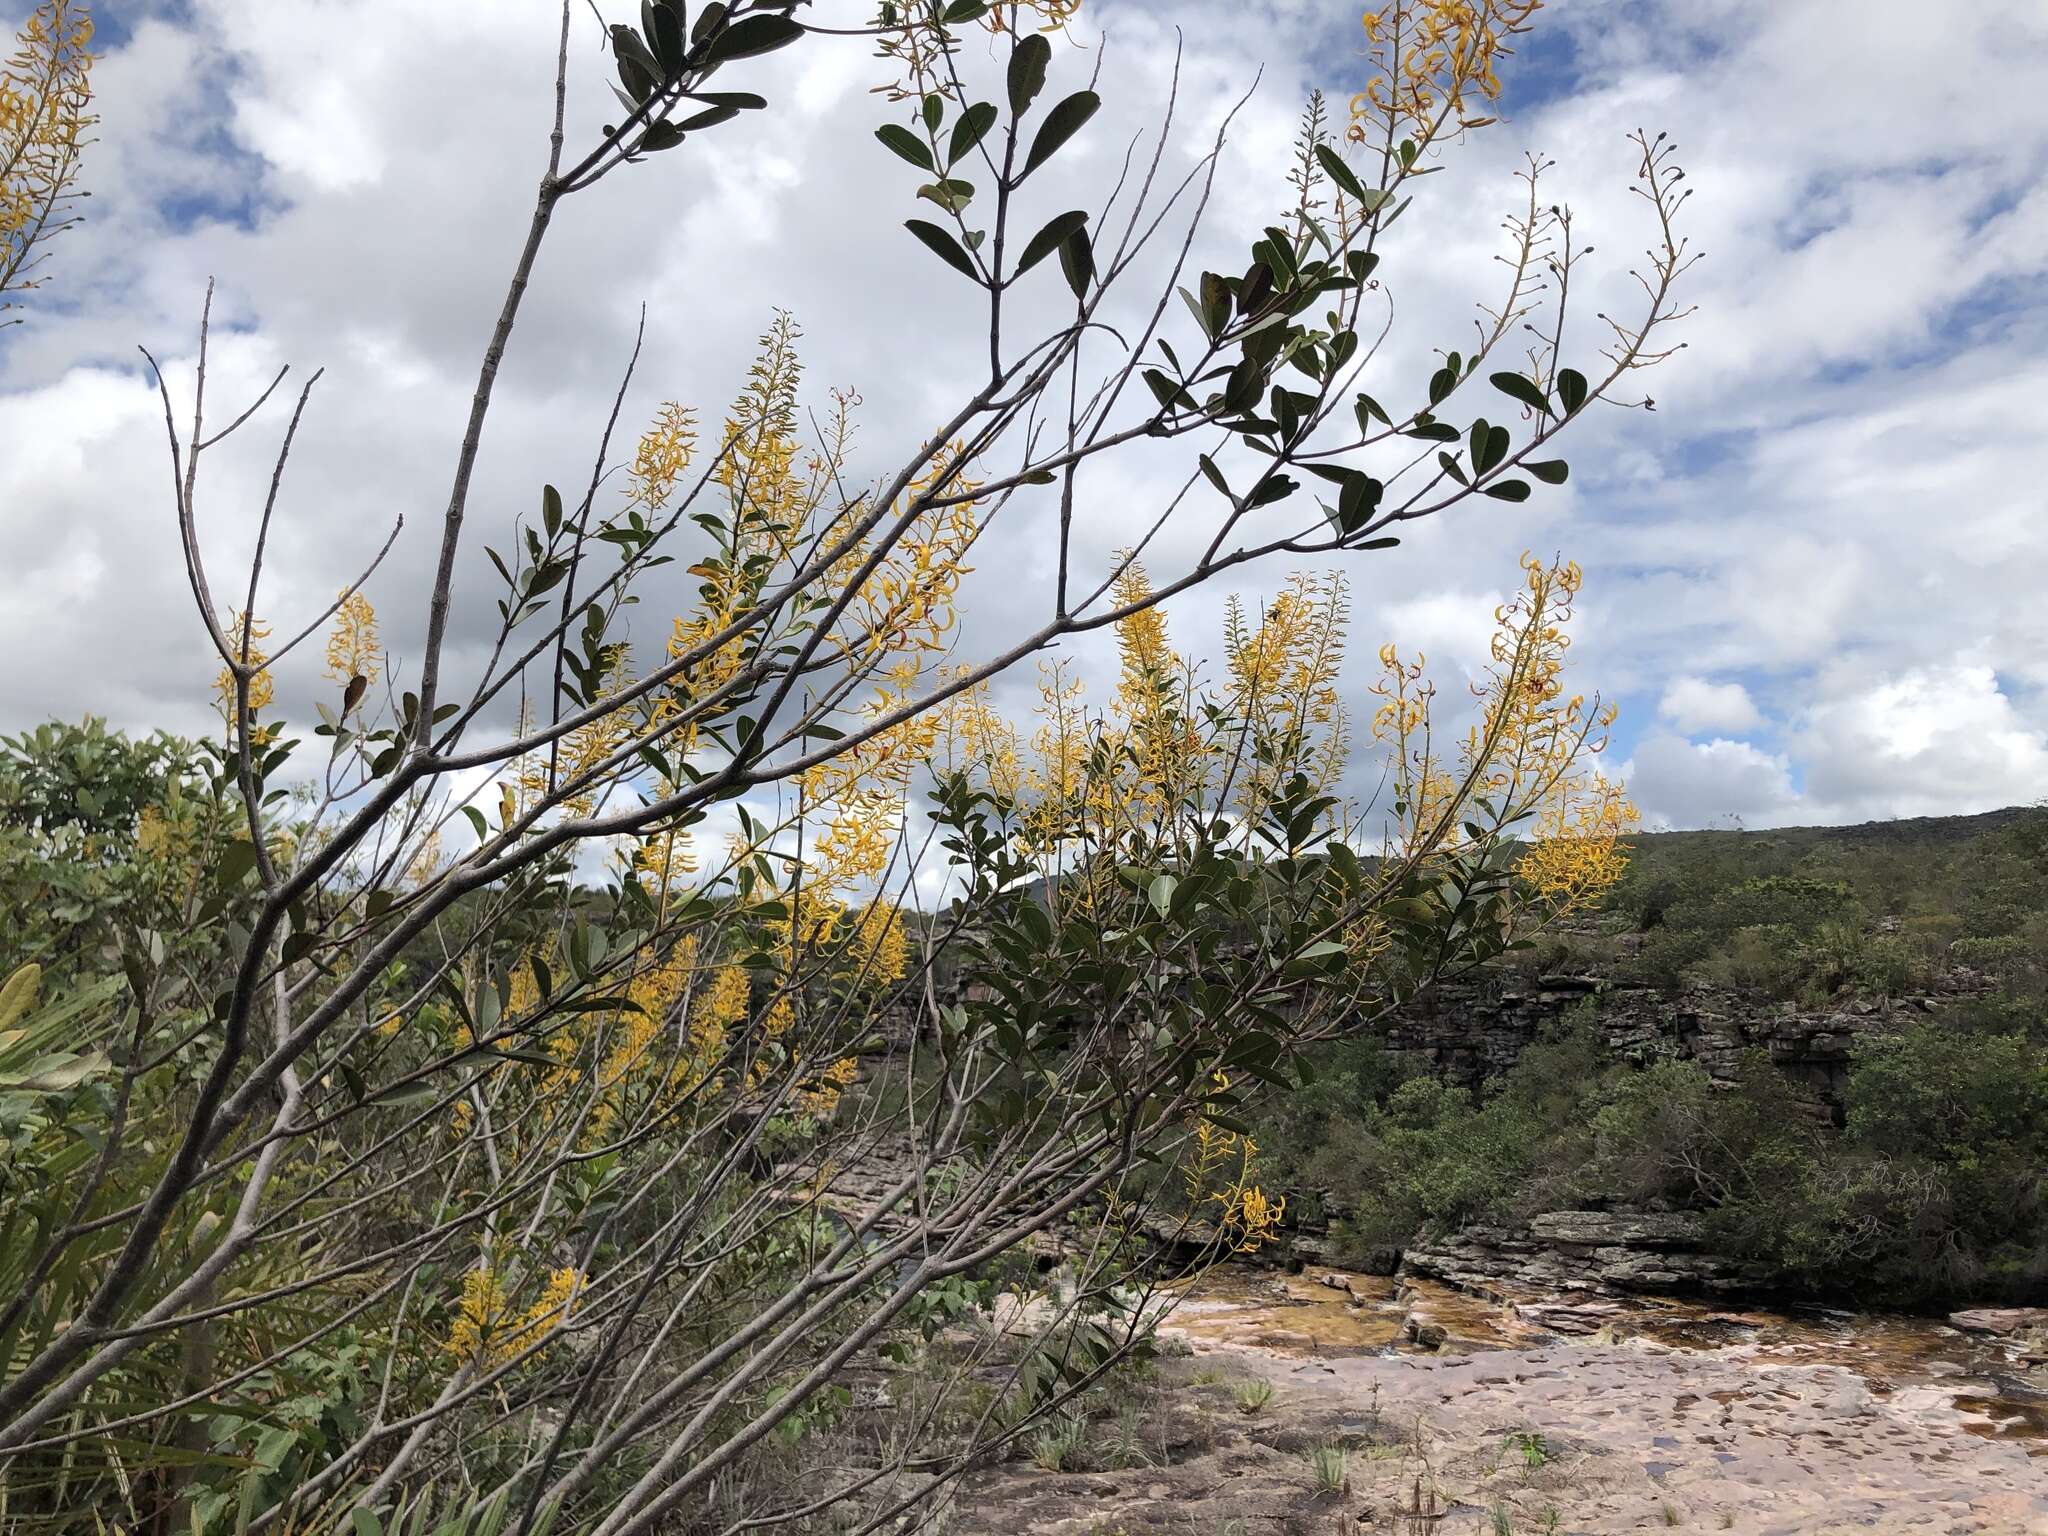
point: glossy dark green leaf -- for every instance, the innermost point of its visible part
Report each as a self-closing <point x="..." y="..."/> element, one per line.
<point x="943" y="245"/>
<point x="1519" y="387"/>
<point x="1028" y="63"/>
<point x="1061" y="124"/>
<point x="1077" y="261"/>
<point x="1273" y="488"/>
<point x="972" y="128"/>
<point x="907" y="145"/>
<point x="664" y="26"/>
<point x="1509" y="490"/>
<point x="1334" y="167"/>
<point x="1549" y="471"/>
<point x="751" y="35"/>
<point x="1571" y="389"/>
<point x="1047" y="240"/>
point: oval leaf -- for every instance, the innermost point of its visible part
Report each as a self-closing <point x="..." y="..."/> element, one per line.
<point x="1061" y="124"/>
<point x="906" y="144"/>
<point x="1047" y="240"/>
<point x="1028" y="63"/>
<point x="973" y="126"/>
<point x="751" y="35"/>
<point x="943" y="245"/>
<point x="1517" y="387"/>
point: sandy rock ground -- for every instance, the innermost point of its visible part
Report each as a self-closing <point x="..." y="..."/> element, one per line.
<point x="1566" y="1436"/>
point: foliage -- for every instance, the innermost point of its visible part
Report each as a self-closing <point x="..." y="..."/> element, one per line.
<point x="464" y="1135"/>
<point x="1933" y="1192"/>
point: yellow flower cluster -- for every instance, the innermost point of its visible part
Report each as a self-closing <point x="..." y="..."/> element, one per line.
<point x="1284" y="685"/>
<point x="1218" y="1171"/>
<point x="485" y="1328"/>
<point x="45" y="90"/>
<point x="818" y="1098"/>
<point x="664" y="452"/>
<point x="262" y="687"/>
<point x="1435" y="65"/>
<point x="1529" y="755"/>
<point x="352" y="647"/>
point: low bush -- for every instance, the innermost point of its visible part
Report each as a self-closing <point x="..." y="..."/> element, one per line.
<point x="1936" y="1190"/>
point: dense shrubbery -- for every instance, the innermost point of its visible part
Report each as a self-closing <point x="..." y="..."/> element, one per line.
<point x="1933" y="1188"/>
<point x="1936" y="1189"/>
<point x="1811" y="915"/>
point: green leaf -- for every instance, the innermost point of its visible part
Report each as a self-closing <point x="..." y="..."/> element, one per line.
<point x="1061" y="124"/>
<point x="710" y="117"/>
<point x="406" y="1096"/>
<point x="1518" y="387"/>
<point x="942" y="245"/>
<point x="1028" y="63"/>
<point x="906" y="144"/>
<point x="934" y="111"/>
<point x="1321" y="948"/>
<point x="751" y="35"/>
<point x="1077" y="261"/>
<point x="665" y="30"/>
<point x="1509" y="490"/>
<point x="1549" y="471"/>
<point x="57" y="1073"/>
<point x="1273" y="488"/>
<point x="965" y="10"/>
<point x="1160" y="893"/>
<point x="948" y="194"/>
<point x="1215" y="475"/>
<point x="1571" y="389"/>
<point x="365" y="1522"/>
<point x="1357" y="502"/>
<point x="1047" y="240"/>
<point x="661" y="134"/>
<point x="1342" y="174"/>
<point x="972" y="128"/>
<point x="1489" y="445"/>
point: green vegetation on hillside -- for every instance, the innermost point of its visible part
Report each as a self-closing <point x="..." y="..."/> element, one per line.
<point x="1935" y="1186"/>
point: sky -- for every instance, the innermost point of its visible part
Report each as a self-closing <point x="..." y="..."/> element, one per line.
<point x="1814" y="573"/>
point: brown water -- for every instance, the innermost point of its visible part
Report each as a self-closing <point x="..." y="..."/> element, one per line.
<point x="1333" y="1314"/>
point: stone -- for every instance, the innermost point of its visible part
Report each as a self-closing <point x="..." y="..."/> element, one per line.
<point x="2000" y="1320"/>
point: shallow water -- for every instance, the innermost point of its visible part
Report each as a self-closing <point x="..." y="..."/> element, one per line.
<point x="1333" y="1314"/>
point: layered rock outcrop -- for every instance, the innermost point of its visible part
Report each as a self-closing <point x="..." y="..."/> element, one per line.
<point x="1602" y="1252"/>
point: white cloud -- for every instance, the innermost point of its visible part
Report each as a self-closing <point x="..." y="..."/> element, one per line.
<point x="1694" y="704"/>
<point x="1931" y="741"/>
<point x="1926" y="742"/>
<point x="1680" y="783"/>
<point x="1844" y="463"/>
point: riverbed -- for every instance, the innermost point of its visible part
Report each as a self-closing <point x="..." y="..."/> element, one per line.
<point x="1446" y="1412"/>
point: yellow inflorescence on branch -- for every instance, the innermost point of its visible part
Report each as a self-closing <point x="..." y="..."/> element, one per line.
<point x="487" y="1331"/>
<point x="353" y="649"/>
<point x="45" y="91"/>
<point x="1436" y="66"/>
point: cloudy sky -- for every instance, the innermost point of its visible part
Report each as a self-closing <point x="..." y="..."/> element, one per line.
<point x="1815" y="573"/>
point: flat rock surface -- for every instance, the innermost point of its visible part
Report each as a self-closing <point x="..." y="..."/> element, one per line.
<point x="1766" y="1432"/>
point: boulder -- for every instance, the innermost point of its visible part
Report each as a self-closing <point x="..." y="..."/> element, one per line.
<point x="2002" y="1321"/>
